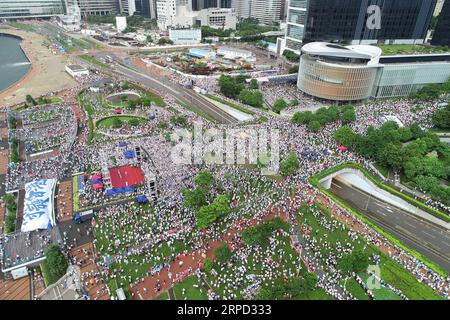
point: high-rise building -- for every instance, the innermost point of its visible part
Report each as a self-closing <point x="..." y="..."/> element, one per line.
<point x="96" y="7"/>
<point x="243" y="8"/>
<point x="396" y="21"/>
<point x="31" y="8"/>
<point x="127" y="7"/>
<point x="166" y="11"/>
<point x="198" y="5"/>
<point x="266" y="11"/>
<point x="441" y="35"/>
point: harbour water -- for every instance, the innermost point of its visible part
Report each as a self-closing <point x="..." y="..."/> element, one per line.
<point x="14" y="64"/>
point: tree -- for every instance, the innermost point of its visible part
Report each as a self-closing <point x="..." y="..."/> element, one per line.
<point x="116" y="123"/>
<point x="251" y="236"/>
<point x="252" y="98"/>
<point x="349" y="116"/>
<point x="204" y="179"/>
<point x="345" y="136"/>
<point x="391" y="155"/>
<point x="149" y="39"/>
<point x="314" y="126"/>
<point x="441" y="118"/>
<point x="194" y="198"/>
<point x="30" y="100"/>
<point x="222" y="253"/>
<point x="208" y="265"/>
<point x="230" y="87"/>
<point x="279" y="105"/>
<point x="134" y="122"/>
<point x="290" y="165"/>
<point x="291" y="56"/>
<point x="205" y="216"/>
<point x="311" y="281"/>
<point x="293" y="69"/>
<point x="302" y="117"/>
<point x="56" y="261"/>
<point x="357" y="261"/>
<point x="254" y="84"/>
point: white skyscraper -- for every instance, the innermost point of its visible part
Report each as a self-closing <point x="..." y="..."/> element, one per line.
<point x="266" y="11"/>
<point x="127" y="7"/>
<point x="243" y="8"/>
<point x="166" y="11"/>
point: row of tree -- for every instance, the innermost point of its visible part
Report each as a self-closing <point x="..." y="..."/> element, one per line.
<point x="11" y="209"/>
<point x="316" y="120"/>
<point x="433" y="91"/>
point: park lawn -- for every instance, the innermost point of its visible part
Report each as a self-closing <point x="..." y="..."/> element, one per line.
<point x="355" y="289"/>
<point x="317" y="294"/>
<point x="383" y="293"/>
<point x="394" y="274"/>
<point x="190" y="284"/>
<point x="162" y="296"/>
<point x="109" y="121"/>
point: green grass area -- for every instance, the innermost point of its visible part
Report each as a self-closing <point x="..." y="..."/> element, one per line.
<point x="391" y="271"/>
<point x="93" y="43"/>
<point x="317" y="294"/>
<point x="48" y="278"/>
<point x="382" y="293"/>
<point x="162" y="296"/>
<point x="355" y="289"/>
<point x="81" y="43"/>
<point x="21" y="26"/>
<point x="396" y="275"/>
<point x="260" y="120"/>
<point x="383" y="170"/>
<point x="232" y="105"/>
<point x="153" y="96"/>
<point x="198" y="112"/>
<point x="397" y="49"/>
<point x="109" y="121"/>
<point x="67" y="47"/>
<point x="192" y="288"/>
<point x="94" y="61"/>
<point x="315" y="182"/>
<point x="75" y="194"/>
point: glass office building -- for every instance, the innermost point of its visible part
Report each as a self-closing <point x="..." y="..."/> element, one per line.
<point x="441" y="35"/>
<point x="345" y="21"/>
<point x="31" y="8"/>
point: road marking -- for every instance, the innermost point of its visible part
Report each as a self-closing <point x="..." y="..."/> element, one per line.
<point x="412" y="226"/>
<point x="430" y="235"/>
<point x="334" y="184"/>
<point x="381" y="212"/>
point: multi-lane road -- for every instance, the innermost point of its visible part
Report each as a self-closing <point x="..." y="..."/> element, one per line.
<point x="162" y="85"/>
<point x="426" y="238"/>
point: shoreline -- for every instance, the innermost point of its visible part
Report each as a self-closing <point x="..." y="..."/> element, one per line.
<point x="32" y="71"/>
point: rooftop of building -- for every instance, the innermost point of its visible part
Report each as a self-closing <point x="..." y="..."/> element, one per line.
<point x="76" y="67"/>
<point x="364" y="52"/>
